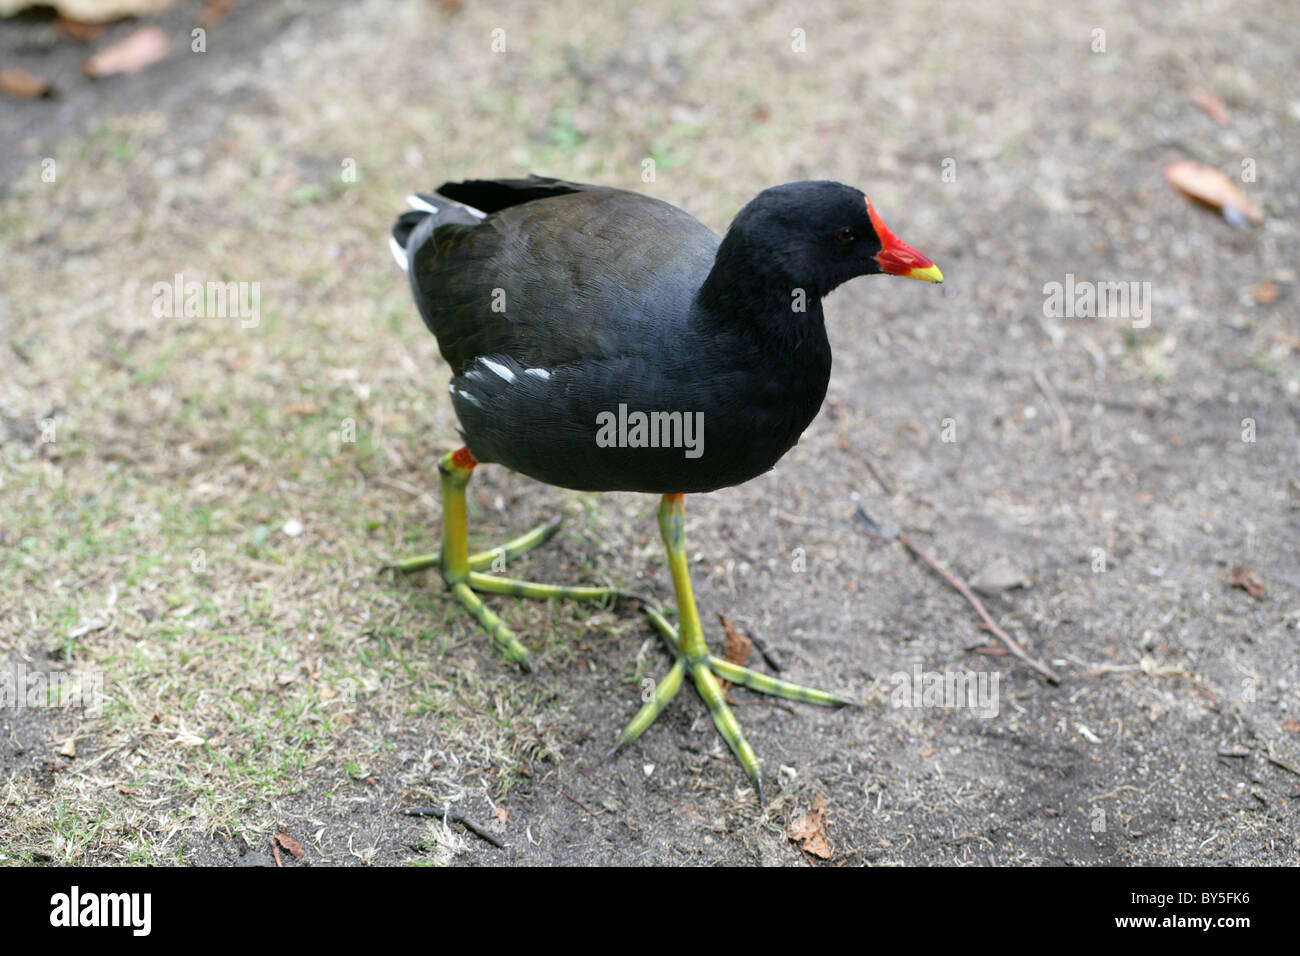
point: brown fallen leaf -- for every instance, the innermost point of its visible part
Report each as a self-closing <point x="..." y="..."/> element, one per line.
<point x="1212" y="187"/>
<point x="810" y="831"/>
<point x="21" y="85"/>
<point x="738" y="648"/>
<point x="1266" y="292"/>
<point x="502" y="815"/>
<point x="1286" y="338"/>
<point x="79" y="31"/>
<point x="289" y="843"/>
<point x="1213" y="106"/>
<point x="301" y="408"/>
<point x="214" y="11"/>
<point x="738" y="645"/>
<point x="142" y="48"/>
<point x="69" y="748"/>
<point x="1247" y="580"/>
<point x="1291" y="725"/>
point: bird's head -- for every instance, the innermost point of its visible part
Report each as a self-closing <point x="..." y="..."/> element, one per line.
<point x="818" y="235"/>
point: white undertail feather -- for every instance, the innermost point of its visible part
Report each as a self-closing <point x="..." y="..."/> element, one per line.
<point x="399" y="254"/>
<point x="415" y="202"/>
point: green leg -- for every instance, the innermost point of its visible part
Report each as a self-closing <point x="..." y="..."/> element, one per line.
<point x="692" y="654"/>
<point x="484" y="559"/>
<point x="461" y="570"/>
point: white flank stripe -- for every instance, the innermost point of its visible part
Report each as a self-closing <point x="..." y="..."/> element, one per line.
<point x="398" y="253"/>
<point x="466" y="395"/>
<point x="538" y="372"/>
<point x="499" y="369"/>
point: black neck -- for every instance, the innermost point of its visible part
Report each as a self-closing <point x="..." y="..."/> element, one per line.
<point x="760" y="295"/>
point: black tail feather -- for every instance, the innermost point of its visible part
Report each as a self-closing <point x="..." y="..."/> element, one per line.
<point x="406" y="224"/>
<point x="491" y="195"/>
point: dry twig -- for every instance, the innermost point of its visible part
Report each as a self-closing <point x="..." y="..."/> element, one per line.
<point x="871" y="528"/>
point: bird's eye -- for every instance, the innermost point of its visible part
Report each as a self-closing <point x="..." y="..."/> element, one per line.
<point x="845" y="235"/>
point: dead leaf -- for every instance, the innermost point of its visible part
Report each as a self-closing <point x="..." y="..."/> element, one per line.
<point x="502" y="815"/>
<point x="79" y="31"/>
<point x="1291" y="725"/>
<point x="929" y="751"/>
<point x="289" y="843"/>
<point x="69" y="748"/>
<point x="142" y="48"/>
<point x="1212" y="187"/>
<point x="1247" y="580"/>
<point x="738" y="645"/>
<point x="1213" y="106"/>
<point x="214" y="11"/>
<point x="300" y="408"/>
<point x="738" y="648"/>
<point x="1266" y="292"/>
<point x="21" y="85"/>
<point x="810" y="831"/>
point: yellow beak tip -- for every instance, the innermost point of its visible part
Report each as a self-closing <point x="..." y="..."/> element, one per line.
<point x="931" y="274"/>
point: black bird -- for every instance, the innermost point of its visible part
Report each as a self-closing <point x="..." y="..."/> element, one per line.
<point x="602" y="340"/>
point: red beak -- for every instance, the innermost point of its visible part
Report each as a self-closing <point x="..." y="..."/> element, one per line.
<point x="898" y="258"/>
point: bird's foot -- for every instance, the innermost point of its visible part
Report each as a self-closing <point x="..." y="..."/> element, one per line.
<point x="705" y="671"/>
<point x="506" y="640"/>
<point x="474" y="580"/>
<point x="495" y="558"/>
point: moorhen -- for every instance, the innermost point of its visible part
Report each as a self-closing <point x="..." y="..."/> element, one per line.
<point x="602" y="340"/>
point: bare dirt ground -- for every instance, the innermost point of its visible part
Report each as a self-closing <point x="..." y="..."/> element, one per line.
<point x="192" y="509"/>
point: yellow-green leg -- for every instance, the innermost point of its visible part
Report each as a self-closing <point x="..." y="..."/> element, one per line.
<point x="687" y="644"/>
<point x="463" y="572"/>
